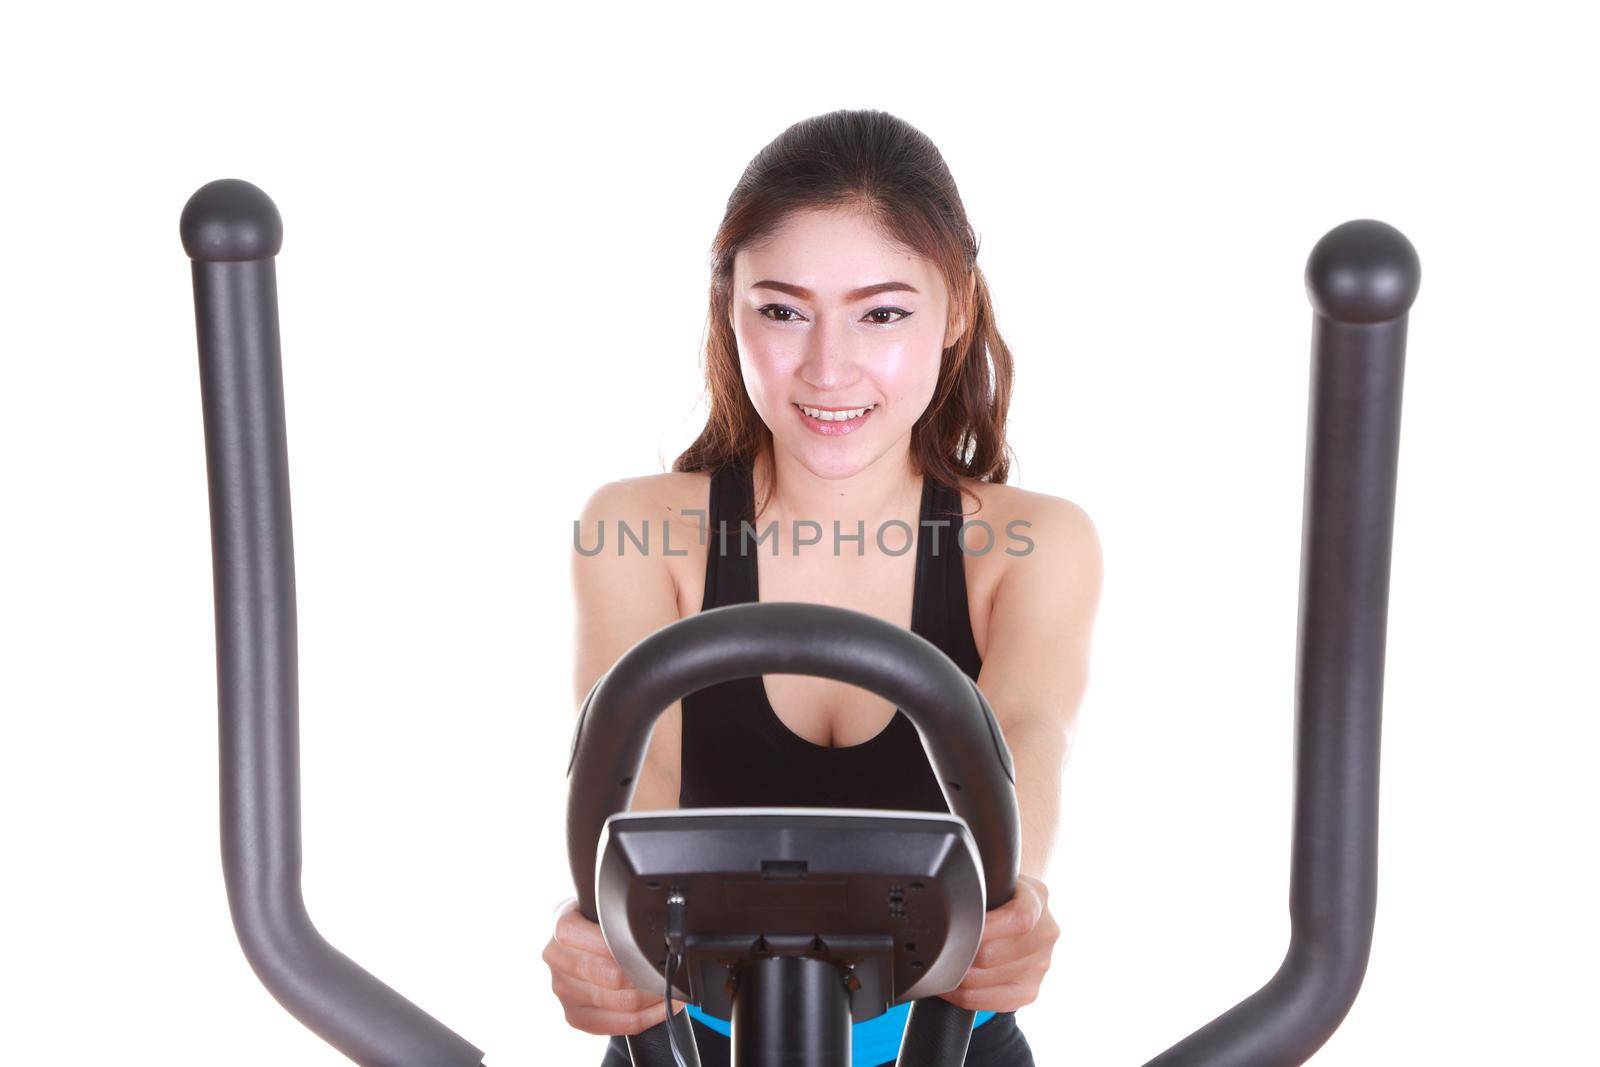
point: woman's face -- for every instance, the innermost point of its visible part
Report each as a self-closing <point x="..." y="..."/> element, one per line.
<point x="831" y="318"/>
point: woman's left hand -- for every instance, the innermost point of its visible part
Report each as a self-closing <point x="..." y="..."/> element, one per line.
<point x="1013" y="954"/>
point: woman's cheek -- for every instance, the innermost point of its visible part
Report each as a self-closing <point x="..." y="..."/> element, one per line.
<point x="909" y="379"/>
<point x="766" y="376"/>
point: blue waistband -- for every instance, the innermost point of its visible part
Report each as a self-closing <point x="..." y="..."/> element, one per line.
<point x="874" y="1042"/>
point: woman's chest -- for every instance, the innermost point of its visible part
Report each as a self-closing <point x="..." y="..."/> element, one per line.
<point x="819" y="710"/>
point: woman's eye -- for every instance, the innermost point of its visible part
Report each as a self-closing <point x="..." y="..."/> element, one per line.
<point x="783" y="313"/>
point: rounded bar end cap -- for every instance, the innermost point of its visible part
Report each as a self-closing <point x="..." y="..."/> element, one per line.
<point x="230" y="221"/>
<point x="1363" y="272"/>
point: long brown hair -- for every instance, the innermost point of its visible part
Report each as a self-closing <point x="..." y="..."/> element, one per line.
<point x="883" y="166"/>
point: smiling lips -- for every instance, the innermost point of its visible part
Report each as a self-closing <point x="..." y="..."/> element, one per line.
<point x="834" y="422"/>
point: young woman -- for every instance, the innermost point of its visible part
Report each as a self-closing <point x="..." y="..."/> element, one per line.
<point x="854" y="455"/>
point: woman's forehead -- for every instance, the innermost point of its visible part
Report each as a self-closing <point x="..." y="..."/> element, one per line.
<point x="831" y="253"/>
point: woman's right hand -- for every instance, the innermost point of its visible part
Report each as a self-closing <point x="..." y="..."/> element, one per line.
<point x="595" y="995"/>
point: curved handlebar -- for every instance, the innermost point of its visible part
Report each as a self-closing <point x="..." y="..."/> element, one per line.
<point x="963" y="742"/>
<point x="958" y="730"/>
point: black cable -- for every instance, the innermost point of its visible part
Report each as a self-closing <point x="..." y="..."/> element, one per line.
<point x="675" y="909"/>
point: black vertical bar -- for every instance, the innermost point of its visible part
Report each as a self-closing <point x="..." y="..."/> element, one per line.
<point x="790" y="1011"/>
<point x="232" y="232"/>
<point x="1362" y="278"/>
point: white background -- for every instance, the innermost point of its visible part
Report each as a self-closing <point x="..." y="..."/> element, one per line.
<point x="493" y="294"/>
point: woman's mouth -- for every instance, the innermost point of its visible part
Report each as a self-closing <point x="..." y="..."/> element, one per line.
<point x="832" y="422"/>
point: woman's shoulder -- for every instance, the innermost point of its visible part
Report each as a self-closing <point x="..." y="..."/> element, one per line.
<point x="1034" y="548"/>
<point x="1037" y="532"/>
<point x="652" y="496"/>
<point x="999" y="504"/>
<point x="676" y="500"/>
<point x="658" y="520"/>
<point x="1045" y="567"/>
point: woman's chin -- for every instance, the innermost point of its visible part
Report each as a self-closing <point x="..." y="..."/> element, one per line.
<point x="834" y="459"/>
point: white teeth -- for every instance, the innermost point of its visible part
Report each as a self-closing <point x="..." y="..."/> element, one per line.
<point x="836" y="416"/>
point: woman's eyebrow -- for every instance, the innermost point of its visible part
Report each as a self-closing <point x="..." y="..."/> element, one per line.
<point x="854" y="294"/>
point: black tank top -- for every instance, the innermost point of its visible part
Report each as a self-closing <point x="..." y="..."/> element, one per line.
<point x="738" y="753"/>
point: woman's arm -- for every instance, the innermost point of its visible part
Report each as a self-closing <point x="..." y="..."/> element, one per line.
<point x="1036" y="667"/>
<point x="1034" y="674"/>
<point x="618" y="600"/>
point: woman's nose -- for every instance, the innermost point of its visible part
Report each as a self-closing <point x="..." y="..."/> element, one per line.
<point x="829" y="360"/>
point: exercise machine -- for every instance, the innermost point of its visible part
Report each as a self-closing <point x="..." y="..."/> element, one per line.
<point x="796" y="922"/>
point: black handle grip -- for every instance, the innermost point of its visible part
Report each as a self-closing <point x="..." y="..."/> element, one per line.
<point x="937" y="1032"/>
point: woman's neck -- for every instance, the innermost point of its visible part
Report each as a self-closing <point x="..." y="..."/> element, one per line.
<point x="883" y="490"/>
